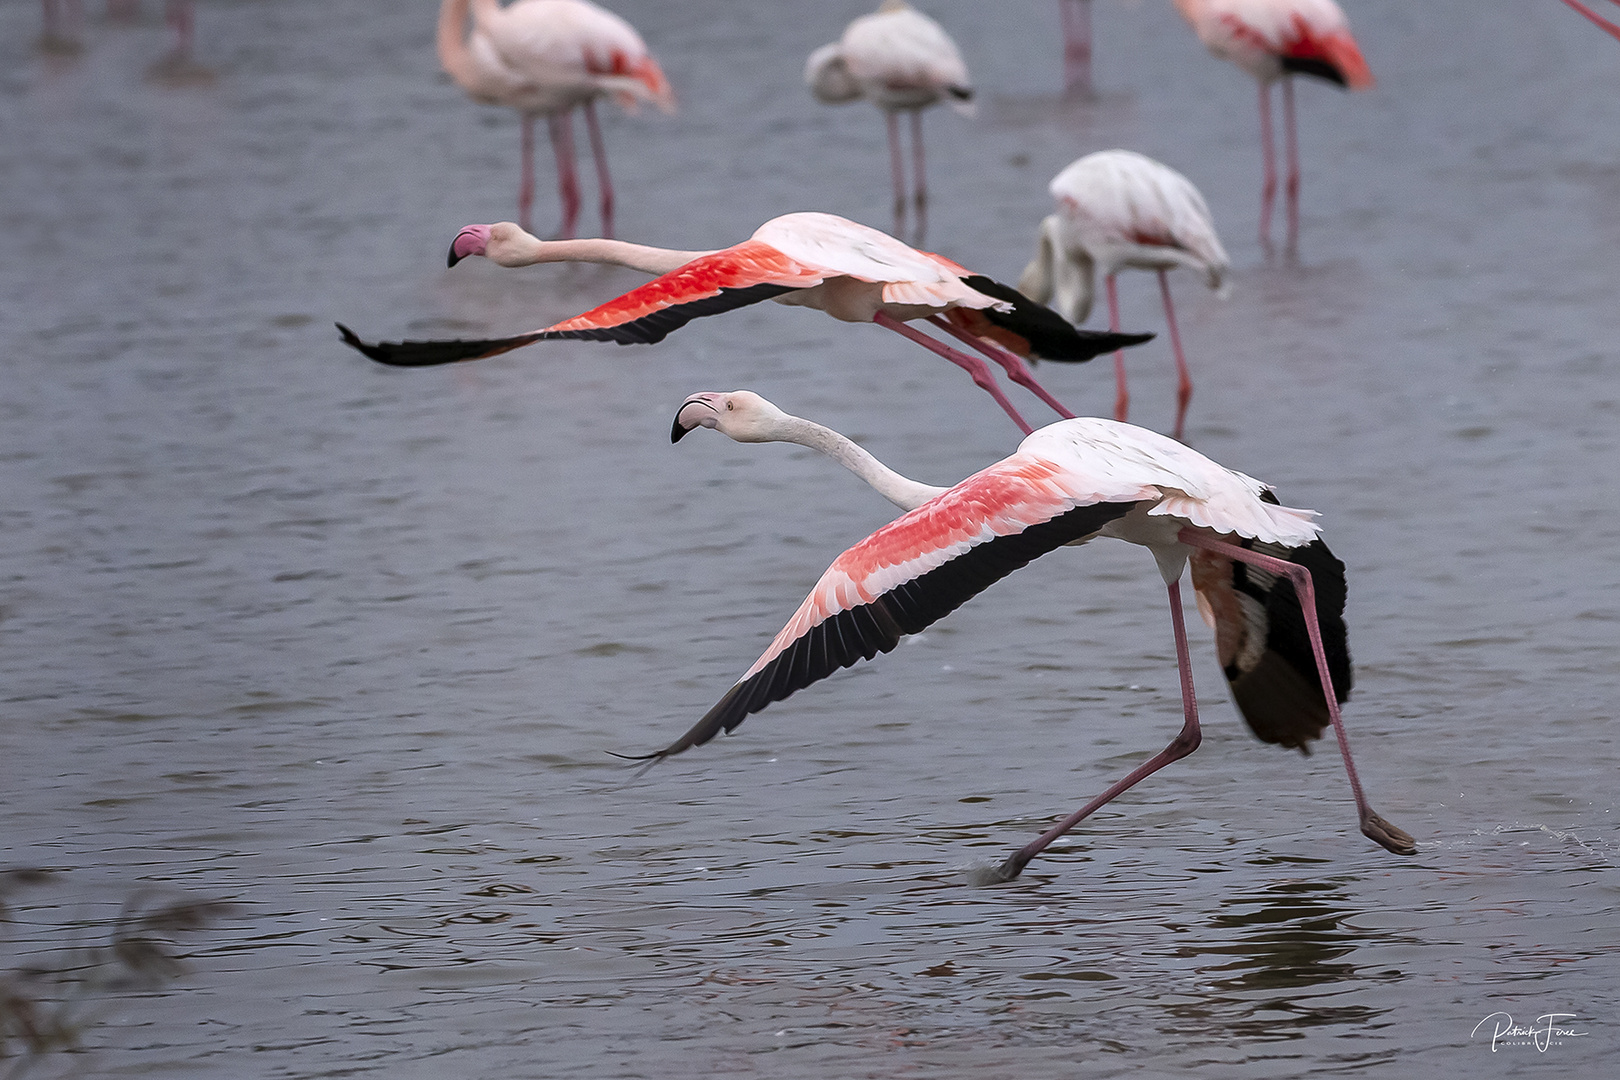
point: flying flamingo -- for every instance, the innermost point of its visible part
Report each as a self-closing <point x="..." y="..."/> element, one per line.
<point x="1278" y="39"/>
<point x="901" y="61"/>
<point x="1076" y="16"/>
<point x="1612" y="29"/>
<point x="852" y="272"/>
<point x="544" y="58"/>
<point x="1119" y="210"/>
<point x="1256" y="566"/>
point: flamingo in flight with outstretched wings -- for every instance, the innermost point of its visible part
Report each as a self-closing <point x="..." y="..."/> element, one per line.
<point x="1265" y="580"/>
<point x="850" y="271"/>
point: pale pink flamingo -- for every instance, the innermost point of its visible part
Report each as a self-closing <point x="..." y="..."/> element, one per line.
<point x="545" y="58"/>
<point x="1612" y="29"/>
<point x="852" y="272"/>
<point x="1260" y="571"/>
<point x="901" y="61"/>
<point x="1076" y="16"/>
<point x="1119" y="210"/>
<point x="1278" y="39"/>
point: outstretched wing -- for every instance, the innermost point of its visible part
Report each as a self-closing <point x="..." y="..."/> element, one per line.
<point x="748" y="273"/>
<point x="911" y="573"/>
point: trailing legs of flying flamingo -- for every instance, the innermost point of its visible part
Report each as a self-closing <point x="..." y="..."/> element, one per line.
<point x="1069" y="483"/>
<point x="851" y="272"/>
<point x="1612" y="29"/>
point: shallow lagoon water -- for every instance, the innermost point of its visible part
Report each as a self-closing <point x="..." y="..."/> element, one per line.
<point x="347" y="645"/>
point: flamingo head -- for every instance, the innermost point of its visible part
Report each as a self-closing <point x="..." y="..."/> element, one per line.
<point x="741" y="415"/>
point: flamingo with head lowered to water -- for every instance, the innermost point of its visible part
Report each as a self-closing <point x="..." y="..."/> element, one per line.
<point x="852" y="272"/>
<point x="1265" y="580"/>
<point x="1119" y="210"/>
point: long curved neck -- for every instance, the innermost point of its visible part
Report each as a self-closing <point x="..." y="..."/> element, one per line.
<point x="527" y="250"/>
<point x="1056" y="277"/>
<point x="905" y="493"/>
<point x="454" y="56"/>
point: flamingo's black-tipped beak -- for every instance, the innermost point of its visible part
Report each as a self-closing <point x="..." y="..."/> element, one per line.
<point x="679" y="430"/>
<point x="473" y="240"/>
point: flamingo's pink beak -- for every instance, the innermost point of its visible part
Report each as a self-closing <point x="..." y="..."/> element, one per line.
<point x="473" y="240"/>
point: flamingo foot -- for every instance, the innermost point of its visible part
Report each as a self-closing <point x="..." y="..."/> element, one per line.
<point x="1390" y="837"/>
<point x="1008" y="870"/>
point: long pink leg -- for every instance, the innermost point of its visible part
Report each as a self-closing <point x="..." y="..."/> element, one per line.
<point x="896" y="166"/>
<point x="918" y="180"/>
<point x="604" y="182"/>
<point x="1183" y="379"/>
<point x="975" y="367"/>
<point x="562" y="147"/>
<point x="526" y="175"/>
<point x="181" y="18"/>
<point x="1076" y="47"/>
<point x="1607" y="26"/>
<point x="1185" y="742"/>
<point x="1292" y="135"/>
<point x="1122" y="397"/>
<point x="1373" y="827"/>
<point x="1011" y="363"/>
<point x="1268" y="183"/>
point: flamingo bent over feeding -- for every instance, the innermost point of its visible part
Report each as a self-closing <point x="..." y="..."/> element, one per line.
<point x="544" y="58"/>
<point x="1257" y="567"/>
<point x="1119" y="210"/>
<point x="1278" y="39"/>
<point x="901" y="61"/>
<point x="1612" y="29"/>
<point x="852" y="272"/>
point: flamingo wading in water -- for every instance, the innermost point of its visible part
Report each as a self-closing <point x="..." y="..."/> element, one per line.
<point x="901" y="61"/>
<point x="1278" y="39"/>
<point x="1269" y="585"/>
<point x="1119" y="210"/>
<point x="545" y="58"/>
<point x="852" y="272"/>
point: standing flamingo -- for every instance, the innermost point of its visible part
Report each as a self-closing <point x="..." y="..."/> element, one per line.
<point x="1257" y="567"/>
<point x="901" y="61"/>
<point x="1278" y="39"/>
<point x="544" y="58"/>
<point x="1612" y="29"/>
<point x="1076" y="16"/>
<point x="852" y="272"/>
<point x="1120" y="210"/>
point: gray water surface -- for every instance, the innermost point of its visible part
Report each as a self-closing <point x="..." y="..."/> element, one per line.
<point x="347" y="645"/>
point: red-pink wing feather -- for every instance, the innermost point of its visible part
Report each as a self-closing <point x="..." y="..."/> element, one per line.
<point x="748" y="264"/>
<point x="911" y="573"/>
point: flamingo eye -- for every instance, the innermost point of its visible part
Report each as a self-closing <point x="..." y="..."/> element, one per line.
<point x="730" y="405"/>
